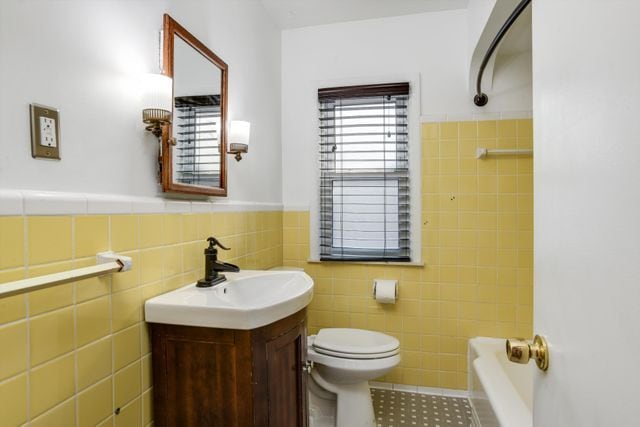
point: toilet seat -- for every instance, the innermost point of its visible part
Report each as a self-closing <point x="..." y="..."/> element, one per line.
<point x="355" y="355"/>
<point x="342" y="369"/>
<point x="354" y="343"/>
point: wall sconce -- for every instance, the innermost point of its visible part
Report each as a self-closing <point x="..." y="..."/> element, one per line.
<point x="157" y="100"/>
<point x="239" y="138"/>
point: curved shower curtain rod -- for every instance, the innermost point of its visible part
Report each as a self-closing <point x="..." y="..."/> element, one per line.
<point x="481" y="99"/>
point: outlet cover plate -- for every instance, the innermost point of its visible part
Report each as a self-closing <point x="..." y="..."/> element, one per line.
<point x="45" y="132"/>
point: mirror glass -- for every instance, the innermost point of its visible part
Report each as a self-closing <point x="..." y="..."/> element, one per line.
<point x="196" y="117"/>
<point x="193" y="158"/>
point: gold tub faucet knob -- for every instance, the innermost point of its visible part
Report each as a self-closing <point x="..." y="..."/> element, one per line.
<point x="521" y="351"/>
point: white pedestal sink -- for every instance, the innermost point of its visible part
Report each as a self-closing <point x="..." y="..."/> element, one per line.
<point x="247" y="300"/>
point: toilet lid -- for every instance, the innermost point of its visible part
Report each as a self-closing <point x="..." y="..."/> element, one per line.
<point x="355" y="342"/>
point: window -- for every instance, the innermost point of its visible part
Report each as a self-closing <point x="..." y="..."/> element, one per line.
<point x="197" y="161"/>
<point x="364" y="173"/>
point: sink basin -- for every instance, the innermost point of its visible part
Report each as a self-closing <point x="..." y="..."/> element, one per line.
<point x="247" y="300"/>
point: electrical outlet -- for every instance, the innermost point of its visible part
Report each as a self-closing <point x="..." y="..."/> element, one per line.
<point x="48" y="132"/>
<point x="45" y="132"/>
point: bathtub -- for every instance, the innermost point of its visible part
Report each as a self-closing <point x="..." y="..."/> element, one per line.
<point x="501" y="392"/>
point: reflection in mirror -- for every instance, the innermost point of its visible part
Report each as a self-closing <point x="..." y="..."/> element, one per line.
<point x="197" y="87"/>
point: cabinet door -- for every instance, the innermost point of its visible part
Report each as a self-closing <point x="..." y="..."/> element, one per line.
<point x="201" y="377"/>
<point x="286" y="356"/>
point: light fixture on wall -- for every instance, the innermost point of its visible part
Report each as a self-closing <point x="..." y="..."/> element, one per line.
<point x="157" y="101"/>
<point x="239" y="138"/>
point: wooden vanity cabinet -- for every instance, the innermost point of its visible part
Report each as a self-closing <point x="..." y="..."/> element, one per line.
<point x="223" y="377"/>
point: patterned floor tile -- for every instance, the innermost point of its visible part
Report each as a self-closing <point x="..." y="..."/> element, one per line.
<point x="403" y="409"/>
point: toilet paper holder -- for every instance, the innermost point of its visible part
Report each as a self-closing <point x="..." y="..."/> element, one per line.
<point x="375" y="285"/>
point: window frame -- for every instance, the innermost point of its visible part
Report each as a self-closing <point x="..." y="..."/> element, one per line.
<point x="405" y="227"/>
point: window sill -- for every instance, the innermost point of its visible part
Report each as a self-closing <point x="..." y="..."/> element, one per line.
<point x="388" y="263"/>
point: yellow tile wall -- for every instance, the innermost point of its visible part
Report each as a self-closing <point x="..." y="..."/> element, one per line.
<point x="477" y="245"/>
<point x="72" y="354"/>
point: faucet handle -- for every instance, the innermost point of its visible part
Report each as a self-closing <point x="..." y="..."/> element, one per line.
<point x="215" y="242"/>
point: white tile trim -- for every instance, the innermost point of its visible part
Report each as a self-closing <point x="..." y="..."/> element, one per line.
<point x="430" y="390"/>
<point x="420" y="390"/>
<point x="148" y="205"/>
<point x="383" y="386"/>
<point x="51" y="203"/>
<point x="510" y="115"/>
<point x="233" y="206"/>
<point x="478" y="116"/>
<point x="28" y="202"/>
<point x="454" y="393"/>
<point x="109" y="204"/>
<point x="459" y="117"/>
<point x="296" y="208"/>
<point x="177" y="207"/>
<point x="201" y="207"/>
<point x="405" y="387"/>
<point x="487" y="116"/>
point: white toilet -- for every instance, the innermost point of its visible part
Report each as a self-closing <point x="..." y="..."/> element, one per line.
<point x="344" y="360"/>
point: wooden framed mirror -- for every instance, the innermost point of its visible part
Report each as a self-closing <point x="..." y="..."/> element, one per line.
<point x="193" y="158"/>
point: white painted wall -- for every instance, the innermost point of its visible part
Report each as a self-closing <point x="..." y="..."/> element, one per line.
<point x="479" y="37"/>
<point x="431" y="45"/>
<point x="84" y="57"/>
<point x="587" y="210"/>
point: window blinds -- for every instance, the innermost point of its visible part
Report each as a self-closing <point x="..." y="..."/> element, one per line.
<point x="364" y="173"/>
<point x="197" y="161"/>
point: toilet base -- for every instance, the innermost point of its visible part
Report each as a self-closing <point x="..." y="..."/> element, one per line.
<point x="322" y="406"/>
<point x="354" y="407"/>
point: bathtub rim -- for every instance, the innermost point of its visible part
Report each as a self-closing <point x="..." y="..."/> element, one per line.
<point x="512" y="410"/>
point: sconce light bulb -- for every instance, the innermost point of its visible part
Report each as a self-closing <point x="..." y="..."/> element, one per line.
<point x="239" y="132"/>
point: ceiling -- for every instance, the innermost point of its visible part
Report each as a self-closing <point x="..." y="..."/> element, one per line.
<point x="304" y="13"/>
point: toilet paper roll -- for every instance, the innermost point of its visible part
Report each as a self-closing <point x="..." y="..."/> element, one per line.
<point x="385" y="291"/>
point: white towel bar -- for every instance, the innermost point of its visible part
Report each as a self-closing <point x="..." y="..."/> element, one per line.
<point x="107" y="262"/>
<point x="482" y="153"/>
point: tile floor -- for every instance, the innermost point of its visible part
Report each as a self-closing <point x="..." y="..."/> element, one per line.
<point x="399" y="408"/>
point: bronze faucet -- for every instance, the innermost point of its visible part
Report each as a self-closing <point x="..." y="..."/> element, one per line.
<point x="213" y="267"/>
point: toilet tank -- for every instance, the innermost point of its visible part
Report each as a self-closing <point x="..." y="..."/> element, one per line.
<point x="285" y="268"/>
